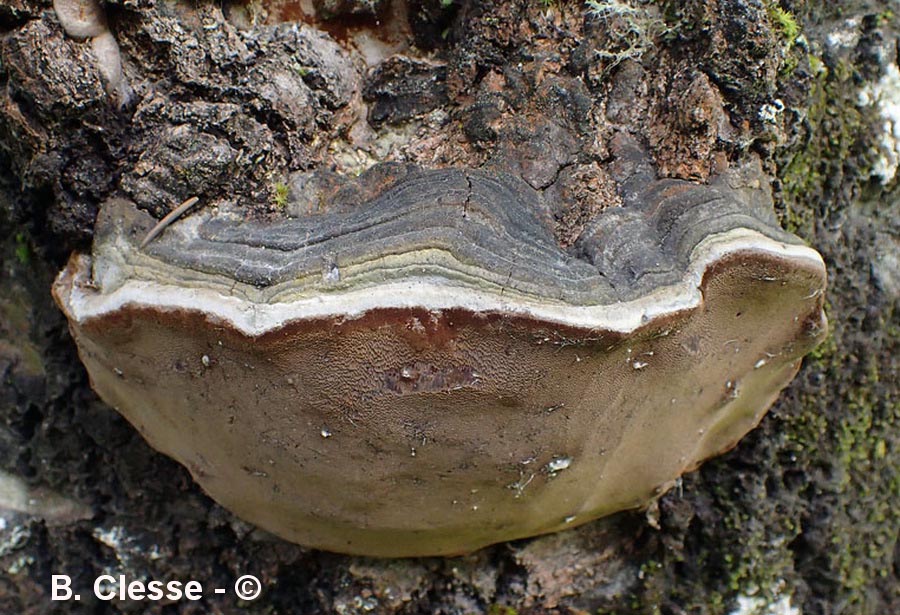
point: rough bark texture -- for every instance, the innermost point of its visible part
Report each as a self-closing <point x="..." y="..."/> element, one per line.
<point x="242" y="111"/>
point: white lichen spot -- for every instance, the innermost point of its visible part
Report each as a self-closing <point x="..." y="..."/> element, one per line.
<point x="15" y="540"/>
<point x="205" y="360"/>
<point x="325" y="432"/>
<point x="760" y="363"/>
<point x="113" y="537"/>
<point x="365" y="603"/>
<point x="632" y="26"/>
<point x="754" y="605"/>
<point x="770" y="112"/>
<point x="639" y="364"/>
<point x="569" y="519"/>
<point x="884" y="95"/>
<point x="844" y="36"/>
<point x="20" y="564"/>
<point x="126" y="548"/>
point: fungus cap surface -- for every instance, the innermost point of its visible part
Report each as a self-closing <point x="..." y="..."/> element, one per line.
<point x="428" y="372"/>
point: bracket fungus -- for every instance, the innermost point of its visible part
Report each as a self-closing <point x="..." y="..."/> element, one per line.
<point x="429" y="372"/>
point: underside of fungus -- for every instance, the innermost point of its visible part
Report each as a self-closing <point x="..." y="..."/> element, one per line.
<point x="428" y="372"/>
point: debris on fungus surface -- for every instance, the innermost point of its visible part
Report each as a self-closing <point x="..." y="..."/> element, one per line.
<point x="428" y="371"/>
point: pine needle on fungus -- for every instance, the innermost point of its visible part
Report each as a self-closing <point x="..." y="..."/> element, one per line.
<point x="171" y="217"/>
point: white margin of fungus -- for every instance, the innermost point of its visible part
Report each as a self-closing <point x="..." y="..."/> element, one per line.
<point x="83" y="301"/>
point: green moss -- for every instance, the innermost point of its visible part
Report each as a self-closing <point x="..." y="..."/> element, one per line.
<point x="784" y="22"/>
<point x="788" y="66"/>
<point x="856" y="440"/>
<point x="816" y="66"/>
<point x="805" y="175"/>
<point x="23" y="251"/>
<point x="499" y="609"/>
<point x="280" y="195"/>
<point x="786" y="27"/>
<point x="864" y="540"/>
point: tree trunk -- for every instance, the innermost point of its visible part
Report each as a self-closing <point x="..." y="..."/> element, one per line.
<point x="232" y="103"/>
